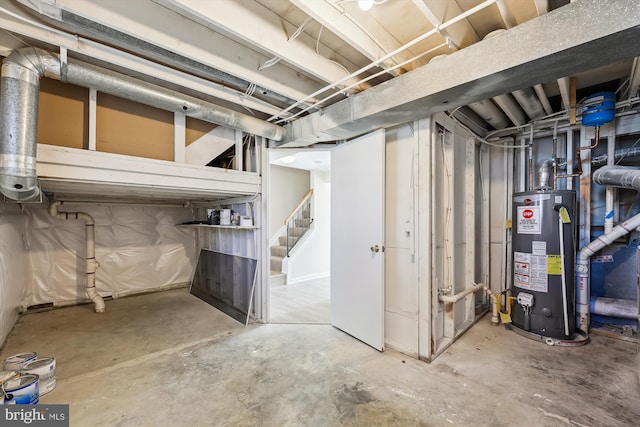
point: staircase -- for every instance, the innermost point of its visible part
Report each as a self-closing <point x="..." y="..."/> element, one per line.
<point x="297" y="224"/>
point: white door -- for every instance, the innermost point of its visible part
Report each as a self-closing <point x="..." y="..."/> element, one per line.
<point x="357" y="238"/>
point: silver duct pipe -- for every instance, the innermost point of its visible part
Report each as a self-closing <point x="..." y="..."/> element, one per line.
<point x="618" y="176"/>
<point x="545" y="173"/>
<point x="113" y="83"/>
<point x="21" y="73"/>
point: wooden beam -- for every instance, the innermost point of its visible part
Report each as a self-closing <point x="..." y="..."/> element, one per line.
<point x="572" y="101"/>
<point x="179" y="137"/>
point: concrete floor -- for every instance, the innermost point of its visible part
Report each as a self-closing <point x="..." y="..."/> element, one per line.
<point x="170" y="359"/>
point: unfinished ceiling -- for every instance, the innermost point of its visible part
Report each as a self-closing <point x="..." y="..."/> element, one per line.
<point x="281" y="61"/>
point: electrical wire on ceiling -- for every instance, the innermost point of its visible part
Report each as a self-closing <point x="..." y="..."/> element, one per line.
<point x="481" y="139"/>
<point x="549" y="120"/>
<point x="65" y="35"/>
<point x="273" y="61"/>
<point x="359" y="82"/>
<point x="318" y="52"/>
<point x="379" y="61"/>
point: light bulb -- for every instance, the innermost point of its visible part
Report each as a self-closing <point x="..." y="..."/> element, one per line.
<point x="365" y="4"/>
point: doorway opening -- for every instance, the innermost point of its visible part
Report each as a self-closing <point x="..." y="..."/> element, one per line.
<point x="299" y="236"/>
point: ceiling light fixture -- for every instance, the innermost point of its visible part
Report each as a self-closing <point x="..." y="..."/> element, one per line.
<point x="365" y="4"/>
<point x="287" y="160"/>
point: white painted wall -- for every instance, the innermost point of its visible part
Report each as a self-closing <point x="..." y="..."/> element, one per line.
<point x="14" y="266"/>
<point x="287" y="186"/>
<point x="210" y="145"/>
<point x="500" y="192"/>
<point x="401" y="285"/>
<point x="138" y="248"/>
<point x="311" y="258"/>
<point x="433" y="236"/>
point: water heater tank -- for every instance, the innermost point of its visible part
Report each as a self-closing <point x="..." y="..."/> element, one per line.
<point x="543" y="305"/>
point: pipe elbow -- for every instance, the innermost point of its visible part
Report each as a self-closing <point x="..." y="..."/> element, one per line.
<point x="38" y="61"/>
<point x="97" y="300"/>
<point x="88" y="219"/>
<point x="279" y="133"/>
<point x="53" y="209"/>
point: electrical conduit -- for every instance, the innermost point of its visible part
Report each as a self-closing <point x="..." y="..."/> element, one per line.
<point x="90" y="255"/>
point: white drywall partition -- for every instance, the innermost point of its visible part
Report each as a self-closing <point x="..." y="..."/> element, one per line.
<point x="401" y="289"/>
<point x="287" y="186"/>
<point x="138" y="249"/>
<point x="311" y="258"/>
<point x="14" y="266"/>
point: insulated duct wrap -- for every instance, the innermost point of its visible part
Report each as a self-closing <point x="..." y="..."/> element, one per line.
<point x="126" y="87"/>
<point x="618" y="176"/>
<point x="21" y="74"/>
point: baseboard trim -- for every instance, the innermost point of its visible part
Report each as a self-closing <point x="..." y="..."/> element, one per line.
<point x="309" y="277"/>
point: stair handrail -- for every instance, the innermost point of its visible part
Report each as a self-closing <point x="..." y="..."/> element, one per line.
<point x="299" y="207"/>
<point x="305" y="203"/>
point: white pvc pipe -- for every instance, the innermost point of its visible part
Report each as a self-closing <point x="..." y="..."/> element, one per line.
<point x="90" y="254"/>
<point x="565" y="310"/>
<point x="457" y="297"/>
<point x="609" y="191"/>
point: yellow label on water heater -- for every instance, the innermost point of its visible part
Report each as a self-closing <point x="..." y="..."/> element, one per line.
<point x="554" y="265"/>
<point x="564" y="215"/>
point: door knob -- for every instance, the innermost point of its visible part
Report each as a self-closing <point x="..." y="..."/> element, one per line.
<point x="375" y="248"/>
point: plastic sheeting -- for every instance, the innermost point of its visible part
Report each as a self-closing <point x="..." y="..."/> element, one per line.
<point x="14" y="266"/>
<point x="138" y="248"/>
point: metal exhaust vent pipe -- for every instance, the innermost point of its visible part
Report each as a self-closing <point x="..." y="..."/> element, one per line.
<point x="21" y="73"/>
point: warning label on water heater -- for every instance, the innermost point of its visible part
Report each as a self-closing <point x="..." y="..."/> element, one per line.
<point x="529" y="220"/>
<point x="530" y="271"/>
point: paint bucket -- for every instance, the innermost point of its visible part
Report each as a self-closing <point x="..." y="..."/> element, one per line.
<point x="45" y="369"/>
<point x="4" y="377"/>
<point x="15" y="362"/>
<point x="24" y="390"/>
<point x="225" y="216"/>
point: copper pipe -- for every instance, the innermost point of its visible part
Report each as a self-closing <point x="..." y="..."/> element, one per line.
<point x="578" y="150"/>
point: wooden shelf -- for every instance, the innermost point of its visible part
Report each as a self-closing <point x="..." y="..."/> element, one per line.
<point x="226" y="227"/>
